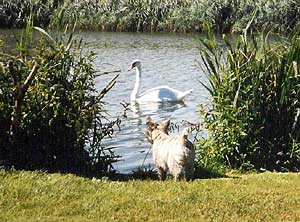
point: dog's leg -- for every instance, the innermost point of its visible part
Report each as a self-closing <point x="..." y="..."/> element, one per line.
<point x="179" y="176"/>
<point x="190" y="172"/>
<point x="177" y="172"/>
<point x="162" y="174"/>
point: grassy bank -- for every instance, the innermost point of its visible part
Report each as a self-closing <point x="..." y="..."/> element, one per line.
<point x="32" y="196"/>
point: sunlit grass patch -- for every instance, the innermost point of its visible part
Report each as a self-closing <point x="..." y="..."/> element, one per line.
<point x="38" y="196"/>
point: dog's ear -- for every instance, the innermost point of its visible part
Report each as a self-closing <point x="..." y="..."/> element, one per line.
<point x="165" y="125"/>
<point x="150" y="124"/>
<point x="149" y="121"/>
<point x="149" y="135"/>
<point x="150" y="127"/>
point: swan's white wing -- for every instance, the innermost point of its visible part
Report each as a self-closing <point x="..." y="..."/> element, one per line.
<point x="161" y="88"/>
<point x="159" y="94"/>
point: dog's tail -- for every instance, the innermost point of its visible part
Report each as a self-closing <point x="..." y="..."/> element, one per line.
<point x="187" y="130"/>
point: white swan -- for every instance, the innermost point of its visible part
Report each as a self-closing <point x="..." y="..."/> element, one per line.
<point x="156" y="94"/>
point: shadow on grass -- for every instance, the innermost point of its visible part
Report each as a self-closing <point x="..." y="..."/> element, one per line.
<point x="149" y="173"/>
<point x="141" y="173"/>
<point x="207" y="173"/>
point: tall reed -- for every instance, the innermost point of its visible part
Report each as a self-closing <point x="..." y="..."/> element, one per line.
<point x="253" y="120"/>
<point x="14" y="13"/>
<point x="155" y="15"/>
<point x="182" y="15"/>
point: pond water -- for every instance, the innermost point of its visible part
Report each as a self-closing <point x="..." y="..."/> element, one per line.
<point x="167" y="59"/>
<point x="171" y="60"/>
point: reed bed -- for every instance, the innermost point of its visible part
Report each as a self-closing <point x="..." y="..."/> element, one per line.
<point x="14" y="13"/>
<point x="155" y="15"/>
<point x="182" y="15"/>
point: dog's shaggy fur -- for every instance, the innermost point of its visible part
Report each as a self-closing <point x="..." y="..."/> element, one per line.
<point x="173" y="153"/>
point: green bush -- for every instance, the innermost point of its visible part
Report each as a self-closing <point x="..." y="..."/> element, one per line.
<point x="253" y="120"/>
<point x="50" y="112"/>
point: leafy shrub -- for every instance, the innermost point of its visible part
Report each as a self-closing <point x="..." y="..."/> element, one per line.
<point x="50" y="112"/>
<point x="253" y="120"/>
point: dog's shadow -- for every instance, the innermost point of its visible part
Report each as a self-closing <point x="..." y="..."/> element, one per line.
<point x="206" y="173"/>
<point x="149" y="173"/>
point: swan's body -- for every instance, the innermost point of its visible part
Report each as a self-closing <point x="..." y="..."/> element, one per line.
<point x="162" y="93"/>
<point x="156" y="94"/>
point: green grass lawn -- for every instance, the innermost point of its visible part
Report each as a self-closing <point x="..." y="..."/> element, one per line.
<point x="36" y="196"/>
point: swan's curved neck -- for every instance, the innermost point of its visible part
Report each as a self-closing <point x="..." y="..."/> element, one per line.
<point x="136" y="89"/>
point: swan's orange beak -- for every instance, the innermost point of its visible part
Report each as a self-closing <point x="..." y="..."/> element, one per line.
<point x="130" y="68"/>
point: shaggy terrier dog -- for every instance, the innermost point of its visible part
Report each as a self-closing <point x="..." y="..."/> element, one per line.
<point x="173" y="153"/>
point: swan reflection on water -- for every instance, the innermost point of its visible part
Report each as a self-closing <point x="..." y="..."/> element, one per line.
<point x="138" y="152"/>
<point x="161" y="102"/>
<point x="142" y="110"/>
